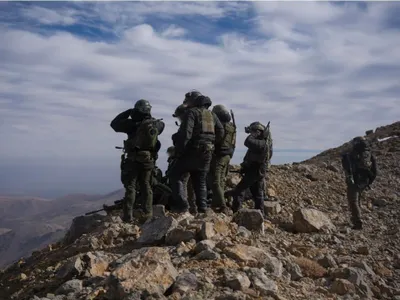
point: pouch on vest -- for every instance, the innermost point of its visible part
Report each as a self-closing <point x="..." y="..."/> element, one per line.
<point x="146" y="136"/>
<point x="143" y="156"/>
<point x="207" y="122"/>
<point x="364" y="160"/>
<point x="229" y="140"/>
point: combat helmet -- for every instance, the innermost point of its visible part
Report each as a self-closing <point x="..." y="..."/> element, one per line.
<point x="143" y="106"/>
<point x="171" y="151"/>
<point x="360" y="143"/>
<point x="254" y="126"/>
<point x="190" y="96"/>
<point x="222" y="113"/>
<point x="179" y="111"/>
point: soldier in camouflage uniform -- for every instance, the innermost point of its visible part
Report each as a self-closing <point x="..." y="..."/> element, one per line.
<point x="142" y="147"/>
<point x="221" y="158"/>
<point x="186" y="181"/>
<point x="194" y="142"/>
<point x="254" y="167"/>
<point x="359" y="165"/>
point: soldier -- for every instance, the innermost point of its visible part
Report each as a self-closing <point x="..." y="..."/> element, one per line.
<point x="254" y="167"/>
<point x="195" y="140"/>
<point x="221" y="158"/>
<point x="359" y="165"/>
<point x="187" y="185"/>
<point x="141" y="147"/>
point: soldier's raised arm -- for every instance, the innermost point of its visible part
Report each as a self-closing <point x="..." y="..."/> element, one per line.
<point x="121" y="122"/>
<point x="254" y="144"/>
<point x="160" y="126"/>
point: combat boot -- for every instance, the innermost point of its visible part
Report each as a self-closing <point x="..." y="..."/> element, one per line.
<point x="193" y="210"/>
<point x="357" y="226"/>
<point x="145" y="217"/>
<point x="127" y="217"/>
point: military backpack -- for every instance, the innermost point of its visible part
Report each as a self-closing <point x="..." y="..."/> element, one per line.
<point x="229" y="140"/>
<point x="144" y="142"/>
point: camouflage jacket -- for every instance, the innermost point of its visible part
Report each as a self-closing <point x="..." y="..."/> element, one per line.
<point x="362" y="166"/>
<point x="256" y="155"/>
<point x="193" y="130"/>
<point x="122" y="123"/>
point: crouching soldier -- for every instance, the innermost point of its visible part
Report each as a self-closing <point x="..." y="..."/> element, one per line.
<point x="360" y="169"/>
<point x="254" y="167"/>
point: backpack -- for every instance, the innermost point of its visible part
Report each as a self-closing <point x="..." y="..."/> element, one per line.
<point x="146" y="136"/>
<point x="363" y="160"/>
<point x="229" y="140"/>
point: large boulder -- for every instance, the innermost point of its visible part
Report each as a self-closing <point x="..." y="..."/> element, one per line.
<point x="252" y="219"/>
<point x="309" y="220"/>
<point x="155" y="230"/>
<point x="144" y="271"/>
<point x="254" y="256"/>
<point x="82" y="225"/>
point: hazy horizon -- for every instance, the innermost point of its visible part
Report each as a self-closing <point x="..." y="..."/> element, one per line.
<point x="41" y="179"/>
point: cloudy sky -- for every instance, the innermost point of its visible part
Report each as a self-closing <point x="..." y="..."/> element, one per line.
<point x="321" y="72"/>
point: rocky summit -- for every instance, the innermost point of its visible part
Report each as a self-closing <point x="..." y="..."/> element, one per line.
<point x="305" y="248"/>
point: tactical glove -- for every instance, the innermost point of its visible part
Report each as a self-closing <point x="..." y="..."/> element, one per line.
<point x="350" y="180"/>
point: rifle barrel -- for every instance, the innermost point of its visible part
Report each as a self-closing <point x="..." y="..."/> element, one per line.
<point x="94" y="211"/>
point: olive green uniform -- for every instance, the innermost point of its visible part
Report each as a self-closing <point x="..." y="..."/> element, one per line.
<point x="139" y="163"/>
<point x="221" y="158"/>
<point x="195" y="142"/>
<point x="360" y="170"/>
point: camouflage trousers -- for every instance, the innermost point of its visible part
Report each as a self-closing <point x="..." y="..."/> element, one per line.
<point x="134" y="173"/>
<point x="253" y="181"/>
<point x="353" y="198"/>
<point x="218" y="170"/>
<point x="188" y="189"/>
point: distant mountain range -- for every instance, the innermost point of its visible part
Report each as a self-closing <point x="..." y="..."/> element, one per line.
<point x="29" y="223"/>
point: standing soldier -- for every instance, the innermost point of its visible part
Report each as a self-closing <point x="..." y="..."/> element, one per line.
<point x="359" y="165"/>
<point x="142" y="147"/>
<point x="221" y="158"/>
<point x="254" y="167"/>
<point x="194" y="142"/>
<point x="187" y="186"/>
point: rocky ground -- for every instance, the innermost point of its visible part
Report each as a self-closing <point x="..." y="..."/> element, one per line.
<point x="305" y="250"/>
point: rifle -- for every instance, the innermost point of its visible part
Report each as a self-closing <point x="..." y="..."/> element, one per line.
<point x="265" y="136"/>
<point x="233" y="119"/>
<point x="118" y="204"/>
<point x="108" y="208"/>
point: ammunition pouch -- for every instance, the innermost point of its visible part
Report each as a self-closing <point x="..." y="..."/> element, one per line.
<point x="203" y="147"/>
<point x="143" y="156"/>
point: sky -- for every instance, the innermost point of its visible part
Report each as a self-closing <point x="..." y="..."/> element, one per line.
<point x="321" y="72"/>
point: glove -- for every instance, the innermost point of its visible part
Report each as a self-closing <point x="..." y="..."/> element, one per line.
<point x="349" y="180"/>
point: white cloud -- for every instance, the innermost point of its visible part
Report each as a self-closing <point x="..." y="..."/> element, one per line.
<point x="319" y="86"/>
<point x="173" y="31"/>
<point x="48" y="16"/>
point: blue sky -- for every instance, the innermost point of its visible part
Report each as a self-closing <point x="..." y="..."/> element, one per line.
<point x="321" y="72"/>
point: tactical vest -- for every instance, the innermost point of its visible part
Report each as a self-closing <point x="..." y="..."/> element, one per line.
<point x="263" y="156"/>
<point x="229" y="140"/>
<point x="144" y="142"/>
<point x="206" y="122"/>
<point x="204" y="130"/>
<point x="362" y="161"/>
